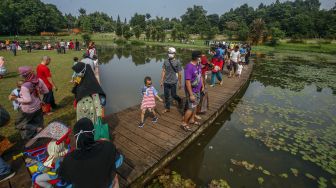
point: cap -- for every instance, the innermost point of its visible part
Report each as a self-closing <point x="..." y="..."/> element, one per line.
<point x="171" y="50"/>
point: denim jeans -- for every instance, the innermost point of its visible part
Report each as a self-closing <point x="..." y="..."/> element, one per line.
<point x="4" y="167"/>
<point x="217" y="74"/>
<point x="170" y="89"/>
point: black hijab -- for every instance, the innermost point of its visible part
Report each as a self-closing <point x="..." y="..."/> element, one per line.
<point x="88" y="85"/>
<point x="92" y="163"/>
<point x="84" y="134"/>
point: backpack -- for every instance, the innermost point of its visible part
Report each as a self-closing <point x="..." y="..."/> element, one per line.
<point x="4" y="116"/>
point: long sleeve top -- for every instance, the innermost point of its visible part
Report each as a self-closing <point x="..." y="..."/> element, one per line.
<point x="28" y="100"/>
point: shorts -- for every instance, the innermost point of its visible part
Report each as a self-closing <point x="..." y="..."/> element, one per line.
<point x="192" y="105"/>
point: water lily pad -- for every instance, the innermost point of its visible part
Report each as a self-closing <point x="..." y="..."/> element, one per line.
<point x="283" y="175"/>
<point x="261" y="180"/>
<point x="310" y="176"/>
<point x="295" y="171"/>
<point x="266" y="172"/>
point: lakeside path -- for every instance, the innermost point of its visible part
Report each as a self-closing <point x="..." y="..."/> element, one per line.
<point x="151" y="148"/>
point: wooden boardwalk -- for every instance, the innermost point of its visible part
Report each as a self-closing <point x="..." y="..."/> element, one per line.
<point x="149" y="149"/>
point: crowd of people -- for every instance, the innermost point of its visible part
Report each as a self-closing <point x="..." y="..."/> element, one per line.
<point x="100" y="155"/>
<point x="60" y="45"/>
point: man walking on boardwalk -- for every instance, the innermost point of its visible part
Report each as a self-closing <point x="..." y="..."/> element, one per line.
<point x="171" y="74"/>
<point x="193" y="87"/>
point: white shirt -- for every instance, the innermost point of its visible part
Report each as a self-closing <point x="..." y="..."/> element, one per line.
<point x="234" y="56"/>
<point x="240" y="69"/>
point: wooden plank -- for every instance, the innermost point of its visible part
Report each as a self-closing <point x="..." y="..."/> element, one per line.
<point x="22" y="178"/>
<point x="4" y="184"/>
<point x="151" y="148"/>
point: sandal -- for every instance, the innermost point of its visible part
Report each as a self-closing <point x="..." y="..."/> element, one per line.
<point x="165" y="111"/>
<point x="195" y="123"/>
<point x="198" y="117"/>
<point x="186" y="128"/>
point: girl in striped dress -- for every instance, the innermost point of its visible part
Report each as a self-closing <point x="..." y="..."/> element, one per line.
<point x="148" y="101"/>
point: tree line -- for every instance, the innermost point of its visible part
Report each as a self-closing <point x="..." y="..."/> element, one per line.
<point x="294" y="19"/>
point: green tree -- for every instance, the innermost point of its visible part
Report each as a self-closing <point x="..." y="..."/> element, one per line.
<point x="138" y="20"/>
<point x="174" y="34"/>
<point x="148" y="32"/>
<point x="119" y="29"/>
<point x="127" y="32"/>
<point x="195" y="17"/>
<point x="257" y="30"/>
<point x="137" y="31"/>
<point x="276" y="34"/>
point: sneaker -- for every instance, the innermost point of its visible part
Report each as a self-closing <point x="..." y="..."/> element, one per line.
<point x="155" y="119"/>
<point x="212" y="85"/>
<point x="141" y="125"/>
<point x="7" y="176"/>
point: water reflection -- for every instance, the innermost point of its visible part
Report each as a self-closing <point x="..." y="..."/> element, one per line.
<point x="123" y="69"/>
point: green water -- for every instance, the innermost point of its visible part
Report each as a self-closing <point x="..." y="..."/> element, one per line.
<point x="281" y="131"/>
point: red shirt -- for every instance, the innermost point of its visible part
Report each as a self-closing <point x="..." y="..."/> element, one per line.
<point x="217" y="62"/>
<point x="205" y="66"/>
<point x="43" y="72"/>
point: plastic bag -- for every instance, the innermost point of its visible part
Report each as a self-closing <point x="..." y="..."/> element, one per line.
<point x="101" y="130"/>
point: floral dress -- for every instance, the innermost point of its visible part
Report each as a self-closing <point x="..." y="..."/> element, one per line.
<point x="89" y="107"/>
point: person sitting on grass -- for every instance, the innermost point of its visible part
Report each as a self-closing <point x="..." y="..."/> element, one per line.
<point x="3" y="69"/>
<point x="5" y="170"/>
<point x="49" y="167"/>
<point x="30" y="117"/>
<point x="92" y="163"/>
<point x="16" y="93"/>
<point x="148" y="101"/>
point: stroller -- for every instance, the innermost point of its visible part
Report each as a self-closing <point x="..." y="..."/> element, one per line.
<point x="38" y="155"/>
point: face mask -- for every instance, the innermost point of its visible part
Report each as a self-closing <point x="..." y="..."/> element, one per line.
<point x="171" y="56"/>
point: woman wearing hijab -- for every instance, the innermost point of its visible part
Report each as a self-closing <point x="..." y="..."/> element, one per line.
<point x="30" y="116"/>
<point x="92" y="163"/>
<point x="89" y="95"/>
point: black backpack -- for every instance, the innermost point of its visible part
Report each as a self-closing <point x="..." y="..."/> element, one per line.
<point x="4" y="116"/>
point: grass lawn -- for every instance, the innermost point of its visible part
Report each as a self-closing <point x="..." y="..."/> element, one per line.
<point x="61" y="71"/>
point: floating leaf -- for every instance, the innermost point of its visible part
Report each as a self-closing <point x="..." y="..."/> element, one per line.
<point x="310" y="176"/>
<point x="261" y="180"/>
<point x="284" y="175"/>
<point x="295" y="171"/>
<point x="266" y="172"/>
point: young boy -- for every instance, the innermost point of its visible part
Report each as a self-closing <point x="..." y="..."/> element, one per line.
<point x="148" y="101"/>
<point x="16" y="93"/>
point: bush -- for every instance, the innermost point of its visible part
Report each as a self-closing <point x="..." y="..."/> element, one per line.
<point x="297" y="41"/>
<point x="138" y="43"/>
<point x="120" y="41"/>
<point x="86" y="38"/>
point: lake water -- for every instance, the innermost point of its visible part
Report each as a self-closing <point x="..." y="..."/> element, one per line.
<point x="280" y="132"/>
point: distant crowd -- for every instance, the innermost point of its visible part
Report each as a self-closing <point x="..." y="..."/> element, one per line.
<point x="61" y="45"/>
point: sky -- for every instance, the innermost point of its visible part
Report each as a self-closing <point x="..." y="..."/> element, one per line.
<point x="164" y="8"/>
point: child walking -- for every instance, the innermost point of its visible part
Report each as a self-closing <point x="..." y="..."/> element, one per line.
<point x="240" y="69"/>
<point x="148" y="101"/>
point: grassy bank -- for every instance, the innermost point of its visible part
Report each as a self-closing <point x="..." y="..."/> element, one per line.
<point x="61" y="70"/>
<point x="308" y="45"/>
